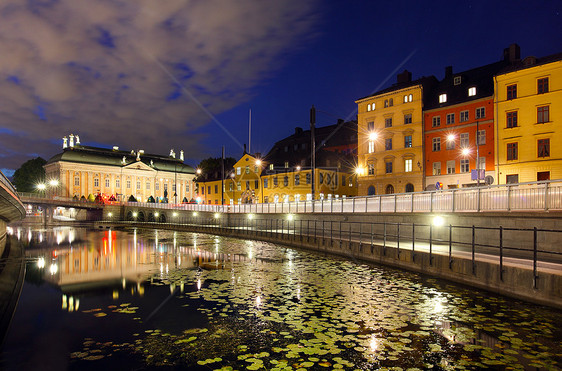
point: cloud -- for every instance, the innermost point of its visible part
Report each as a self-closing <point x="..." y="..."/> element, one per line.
<point x="102" y="68"/>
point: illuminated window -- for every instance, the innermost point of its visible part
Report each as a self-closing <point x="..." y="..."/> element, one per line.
<point x="450" y="118"/>
<point x="511" y="118"/>
<point x="270" y="166"/>
<point x="385" y="103"/>
<point x="464" y="116"/>
<point x="443" y="98"/>
<point x="437" y="168"/>
<point x="464" y="140"/>
<point x="471" y="92"/>
<point x="370" y="126"/>
<point x="465" y="165"/>
<point x="449" y="144"/>
<point x="480" y="112"/>
<point x="511" y="151"/>
<point x="407" y="141"/>
<point x="436" y="144"/>
<point x="542" y="85"/>
<point x="436" y="121"/>
<point x="512" y="91"/>
<point x="408" y="165"/>
<point x="247" y="170"/>
<point x="543" y="147"/>
<point x="371" y="168"/>
<point x="543" y="114"/>
<point x="238" y="186"/>
<point x="286" y="164"/>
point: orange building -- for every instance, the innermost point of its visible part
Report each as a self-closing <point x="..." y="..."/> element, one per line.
<point x="459" y="128"/>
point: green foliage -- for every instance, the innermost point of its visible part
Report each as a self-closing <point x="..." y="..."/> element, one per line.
<point x="31" y="173"/>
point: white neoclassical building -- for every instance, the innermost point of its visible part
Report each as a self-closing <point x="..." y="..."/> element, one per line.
<point x="90" y="171"/>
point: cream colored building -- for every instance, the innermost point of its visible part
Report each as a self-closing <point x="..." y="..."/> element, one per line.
<point x="88" y="171"/>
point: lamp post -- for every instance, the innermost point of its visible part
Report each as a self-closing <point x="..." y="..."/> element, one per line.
<point x="258" y="164"/>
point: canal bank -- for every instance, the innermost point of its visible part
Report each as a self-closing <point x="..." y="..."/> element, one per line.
<point x="458" y="253"/>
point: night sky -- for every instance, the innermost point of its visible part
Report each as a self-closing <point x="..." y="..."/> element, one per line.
<point x="157" y="75"/>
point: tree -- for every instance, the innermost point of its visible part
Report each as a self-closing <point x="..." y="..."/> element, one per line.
<point x="30" y="174"/>
<point x="211" y="168"/>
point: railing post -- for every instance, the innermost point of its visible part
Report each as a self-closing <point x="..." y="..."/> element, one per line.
<point x="473" y="261"/>
<point x="395" y="202"/>
<point x="546" y="196"/>
<point x="352" y="205"/>
<point x="366" y="204"/>
<point x="508" y="198"/>
<point x="453" y="201"/>
<point x="535" y="251"/>
<point x="479" y="195"/>
<point x="450" y="246"/>
<point x="501" y="253"/>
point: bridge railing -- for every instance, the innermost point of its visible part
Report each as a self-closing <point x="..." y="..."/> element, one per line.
<point x="532" y="196"/>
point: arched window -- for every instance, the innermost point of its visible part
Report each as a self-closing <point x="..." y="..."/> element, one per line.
<point x="371" y="191"/>
<point x="389" y="189"/>
<point x="409" y="187"/>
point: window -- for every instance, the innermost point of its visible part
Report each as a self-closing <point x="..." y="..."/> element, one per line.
<point x="320" y="178"/>
<point x="482" y="164"/>
<point x="436" y="168"/>
<point x="409" y="188"/>
<point x="388" y="122"/>
<point x="408" y="165"/>
<point x="480" y="112"/>
<point x="385" y="103"/>
<point x="295" y="147"/>
<point x="542" y="114"/>
<point x="388" y="167"/>
<point x="308" y="178"/>
<point x="107" y="182"/>
<point x="371" y="146"/>
<point x="512" y="91"/>
<point x="208" y="190"/>
<point x="451" y="167"/>
<point x="511" y="118"/>
<point x="464" y="116"/>
<point x="388" y="144"/>
<point x="449" y="144"/>
<point x="370" y="126"/>
<point x="138" y="184"/>
<point x="148" y="185"/>
<point x="285" y="180"/>
<point x="117" y="183"/>
<point x="465" y="140"/>
<point x="407" y="141"/>
<point x="216" y="188"/>
<point x="471" y="92"/>
<point x="512" y="178"/>
<point x="343" y="180"/>
<point x="303" y="145"/>
<point x="542" y="85"/>
<point x="96" y="182"/>
<point x="436" y="121"/>
<point x="238" y="170"/>
<point x="408" y="98"/>
<point x="165" y="187"/>
<point x="511" y="151"/>
<point x="370" y="107"/>
<point x="436" y="144"/>
<point x="265" y="182"/>
<point x="286" y="164"/>
<point x="465" y="165"/>
<point x="128" y="183"/>
<point x="156" y="186"/>
<point x="238" y="186"/>
<point x="275" y="182"/>
<point x="457" y="80"/>
<point x="77" y="180"/>
<point x="443" y="98"/>
<point x="286" y="149"/>
<point x="390" y="102"/>
<point x="371" y="168"/>
<point x="450" y="118"/>
<point x="187" y="188"/>
<point x="247" y="184"/>
<point x="543" y="175"/>
<point x="247" y="170"/>
<point x="543" y="147"/>
<point x="297" y="179"/>
<point x="481" y="137"/>
<point x="255" y="168"/>
<point x="407" y="119"/>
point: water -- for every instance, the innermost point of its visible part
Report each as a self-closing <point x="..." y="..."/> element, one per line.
<point x="137" y="299"/>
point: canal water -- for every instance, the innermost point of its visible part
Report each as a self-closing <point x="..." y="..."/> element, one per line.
<point x="144" y="299"/>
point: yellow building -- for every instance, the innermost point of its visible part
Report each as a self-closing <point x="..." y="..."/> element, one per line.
<point x="390" y="137"/>
<point x="241" y="184"/>
<point x="84" y="171"/>
<point x="529" y="120"/>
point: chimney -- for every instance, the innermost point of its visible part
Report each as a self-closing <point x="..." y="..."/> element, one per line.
<point x="448" y="71"/>
<point x="64" y="142"/>
<point x="298" y="130"/>
<point x="244" y="149"/>
<point x="71" y="144"/>
<point x="181" y="154"/>
<point x="405" y="76"/>
<point x="512" y="53"/>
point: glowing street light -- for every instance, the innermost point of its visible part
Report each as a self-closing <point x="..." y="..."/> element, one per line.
<point x="41" y="186"/>
<point x="465" y="151"/>
<point x="373" y="136"/>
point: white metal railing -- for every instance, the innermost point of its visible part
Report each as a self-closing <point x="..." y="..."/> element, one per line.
<point x="532" y="196"/>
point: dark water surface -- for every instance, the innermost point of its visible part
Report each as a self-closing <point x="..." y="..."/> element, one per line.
<point x="145" y="299"/>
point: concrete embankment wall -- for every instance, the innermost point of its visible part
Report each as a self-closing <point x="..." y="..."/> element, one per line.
<point x="514" y="280"/>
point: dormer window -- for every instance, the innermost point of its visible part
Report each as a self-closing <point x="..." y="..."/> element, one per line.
<point x="471" y="92"/>
<point x="457" y="80"/>
<point x="443" y="98"/>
